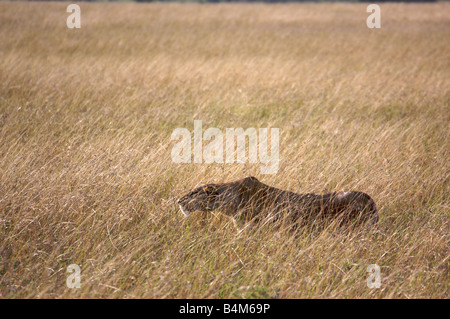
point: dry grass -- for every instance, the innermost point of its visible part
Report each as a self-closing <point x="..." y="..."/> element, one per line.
<point x="86" y="173"/>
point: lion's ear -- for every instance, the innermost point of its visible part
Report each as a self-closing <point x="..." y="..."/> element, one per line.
<point x="211" y="190"/>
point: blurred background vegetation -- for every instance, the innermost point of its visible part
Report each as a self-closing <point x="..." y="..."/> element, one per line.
<point x="268" y="1"/>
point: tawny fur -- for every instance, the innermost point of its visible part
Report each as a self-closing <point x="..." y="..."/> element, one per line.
<point x="251" y="199"/>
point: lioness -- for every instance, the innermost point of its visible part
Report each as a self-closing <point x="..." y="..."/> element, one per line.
<point x="249" y="198"/>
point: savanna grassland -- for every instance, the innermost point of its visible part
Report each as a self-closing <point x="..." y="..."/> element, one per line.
<point x="86" y="175"/>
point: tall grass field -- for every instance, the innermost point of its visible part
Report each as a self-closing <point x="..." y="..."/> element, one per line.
<point x="87" y="176"/>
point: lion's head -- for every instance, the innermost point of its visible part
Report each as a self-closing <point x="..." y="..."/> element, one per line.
<point x="203" y="198"/>
<point x="229" y="197"/>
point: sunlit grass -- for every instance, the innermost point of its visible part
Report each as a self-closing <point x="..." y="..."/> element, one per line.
<point x="86" y="175"/>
